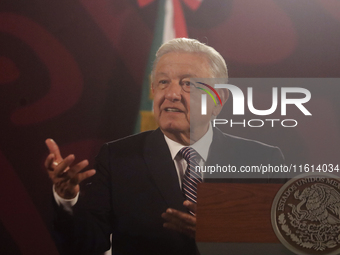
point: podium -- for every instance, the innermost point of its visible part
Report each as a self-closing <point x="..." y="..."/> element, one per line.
<point x="235" y="218"/>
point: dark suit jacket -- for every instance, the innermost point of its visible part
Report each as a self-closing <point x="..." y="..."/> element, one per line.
<point x="136" y="181"/>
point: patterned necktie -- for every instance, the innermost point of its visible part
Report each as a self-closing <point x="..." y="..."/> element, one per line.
<point x="191" y="178"/>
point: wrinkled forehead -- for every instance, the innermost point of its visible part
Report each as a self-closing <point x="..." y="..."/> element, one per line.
<point x="190" y="64"/>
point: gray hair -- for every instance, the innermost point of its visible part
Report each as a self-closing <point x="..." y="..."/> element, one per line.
<point x="217" y="64"/>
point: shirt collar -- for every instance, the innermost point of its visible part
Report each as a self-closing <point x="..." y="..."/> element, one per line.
<point x="201" y="146"/>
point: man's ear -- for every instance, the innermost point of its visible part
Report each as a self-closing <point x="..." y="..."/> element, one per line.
<point x="224" y="95"/>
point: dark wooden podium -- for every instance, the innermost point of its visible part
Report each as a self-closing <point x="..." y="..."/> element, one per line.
<point x="235" y="218"/>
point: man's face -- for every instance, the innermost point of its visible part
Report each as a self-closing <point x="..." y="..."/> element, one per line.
<point x="171" y="102"/>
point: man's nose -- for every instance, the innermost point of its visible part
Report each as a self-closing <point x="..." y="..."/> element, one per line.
<point x="173" y="91"/>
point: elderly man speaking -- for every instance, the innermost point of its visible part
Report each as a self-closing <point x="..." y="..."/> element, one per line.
<point x="143" y="188"/>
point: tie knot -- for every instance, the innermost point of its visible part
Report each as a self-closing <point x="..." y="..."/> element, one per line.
<point x="189" y="154"/>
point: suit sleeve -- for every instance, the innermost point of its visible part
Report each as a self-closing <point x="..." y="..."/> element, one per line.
<point x="88" y="230"/>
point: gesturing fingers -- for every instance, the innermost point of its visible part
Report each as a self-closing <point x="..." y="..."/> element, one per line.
<point x="180" y="217"/>
<point x="82" y="176"/>
<point x="190" y="205"/>
<point x="72" y="171"/>
<point x="180" y="221"/>
<point x="49" y="162"/>
<point x="66" y="178"/>
<point x="62" y="168"/>
<point x="66" y="172"/>
<point x="54" y="149"/>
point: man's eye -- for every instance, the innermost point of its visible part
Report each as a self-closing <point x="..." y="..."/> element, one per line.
<point x="162" y="82"/>
<point x="185" y="83"/>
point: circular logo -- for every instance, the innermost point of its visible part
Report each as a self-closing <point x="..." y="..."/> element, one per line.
<point x="306" y="214"/>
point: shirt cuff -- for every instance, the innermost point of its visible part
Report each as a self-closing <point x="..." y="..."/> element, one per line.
<point x="67" y="204"/>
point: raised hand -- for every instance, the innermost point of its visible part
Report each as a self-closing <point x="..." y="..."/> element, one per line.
<point x="65" y="177"/>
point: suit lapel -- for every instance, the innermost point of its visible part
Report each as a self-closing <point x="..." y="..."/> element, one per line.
<point x="162" y="170"/>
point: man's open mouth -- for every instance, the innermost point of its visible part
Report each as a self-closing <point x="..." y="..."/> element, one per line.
<point x="169" y="109"/>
